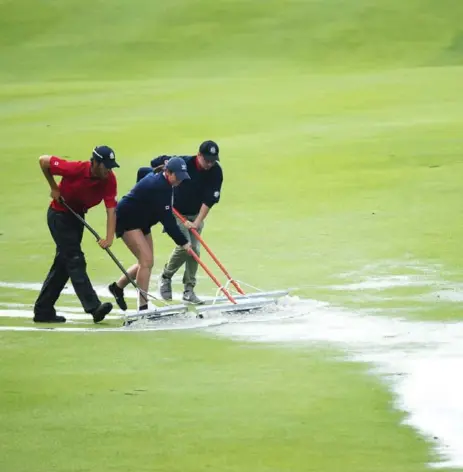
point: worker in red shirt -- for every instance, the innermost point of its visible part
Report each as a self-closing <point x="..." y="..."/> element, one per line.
<point x="83" y="185"/>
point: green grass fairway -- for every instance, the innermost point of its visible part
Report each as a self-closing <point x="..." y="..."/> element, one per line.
<point x="339" y="125"/>
<point x="176" y="402"/>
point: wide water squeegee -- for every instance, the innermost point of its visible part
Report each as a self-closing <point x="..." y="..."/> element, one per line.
<point x="223" y="302"/>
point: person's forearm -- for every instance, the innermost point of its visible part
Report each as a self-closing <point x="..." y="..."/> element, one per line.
<point x="44" y="162"/>
<point x="203" y="212"/>
<point x="110" y="224"/>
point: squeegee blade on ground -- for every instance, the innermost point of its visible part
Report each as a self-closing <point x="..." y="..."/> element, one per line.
<point x="275" y="294"/>
<point x="156" y="313"/>
<point x="241" y="307"/>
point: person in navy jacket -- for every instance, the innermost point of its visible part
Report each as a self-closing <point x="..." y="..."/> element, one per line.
<point x="193" y="199"/>
<point x="148" y="203"/>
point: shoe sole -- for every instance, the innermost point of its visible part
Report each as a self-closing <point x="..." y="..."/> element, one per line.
<point x="200" y="302"/>
<point x="50" y="321"/>
<point x="121" y="305"/>
<point x="101" y="316"/>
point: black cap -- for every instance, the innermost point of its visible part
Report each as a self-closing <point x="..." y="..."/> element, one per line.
<point x="210" y="151"/>
<point x="105" y="155"/>
<point x="178" y="167"/>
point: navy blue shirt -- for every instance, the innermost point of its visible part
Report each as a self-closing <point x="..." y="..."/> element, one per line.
<point x="149" y="202"/>
<point x="204" y="186"/>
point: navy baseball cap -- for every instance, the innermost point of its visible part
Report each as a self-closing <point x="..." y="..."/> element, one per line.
<point x="210" y="151"/>
<point x="178" y="167"/>
<point x="105" y="155"/>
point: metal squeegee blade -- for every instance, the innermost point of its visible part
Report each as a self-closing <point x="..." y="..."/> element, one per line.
<point x="159" y="312"/>
<point x="249" y="296"/>
<point x="239" y="307"/>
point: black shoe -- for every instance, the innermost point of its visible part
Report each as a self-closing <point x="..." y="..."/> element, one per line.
<point x="49" y="319"/>
<point x="118" y="294"/>
<point x="101" y="312"/>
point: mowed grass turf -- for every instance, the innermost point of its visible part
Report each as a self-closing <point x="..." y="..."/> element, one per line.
<point x="340" y="133"/>
<point x="177" y="402"/>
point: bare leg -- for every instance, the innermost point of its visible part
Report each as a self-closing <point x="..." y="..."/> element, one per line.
<point x="143" y="300"/>
<point x="141" y="247"/>
<point x="124" y="281"/>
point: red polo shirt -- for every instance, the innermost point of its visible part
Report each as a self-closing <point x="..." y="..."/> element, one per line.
<point x="79" y="189"/>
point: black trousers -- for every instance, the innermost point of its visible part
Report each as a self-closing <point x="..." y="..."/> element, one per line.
<point x="69" y="263"/>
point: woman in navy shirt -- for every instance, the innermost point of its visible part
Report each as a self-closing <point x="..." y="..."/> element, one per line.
<point x="148" y="203"/>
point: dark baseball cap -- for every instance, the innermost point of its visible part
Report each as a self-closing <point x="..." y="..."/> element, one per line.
<point x="105" y="155"/>
<point x="178" y="167"/>
<point x="210" y="151"/>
